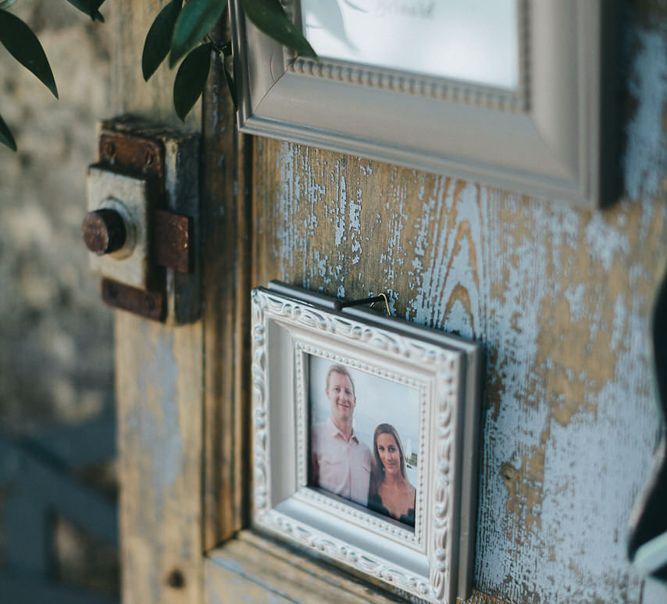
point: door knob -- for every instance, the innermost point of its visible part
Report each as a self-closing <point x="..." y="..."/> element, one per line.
<point x="104" y="231"/>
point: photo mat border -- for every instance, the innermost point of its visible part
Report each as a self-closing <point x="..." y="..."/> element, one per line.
<point x="441" y="88"/>
<point x="445" y="562"/>
<point x="345" y="510"/>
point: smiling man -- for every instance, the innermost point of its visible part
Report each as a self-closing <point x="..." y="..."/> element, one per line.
<point x="341" y="463"/>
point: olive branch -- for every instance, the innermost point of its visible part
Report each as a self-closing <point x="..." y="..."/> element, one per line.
<point x="180" y="31"/>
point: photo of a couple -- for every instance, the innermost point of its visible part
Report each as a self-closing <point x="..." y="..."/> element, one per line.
<point x="356" y="451"/>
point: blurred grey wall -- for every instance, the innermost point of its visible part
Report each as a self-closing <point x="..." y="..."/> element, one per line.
<point x="55" y="335"/>
<point x="56" y="347"/>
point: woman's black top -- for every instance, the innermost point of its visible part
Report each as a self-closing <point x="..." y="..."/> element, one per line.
<point x="375" y="504"/>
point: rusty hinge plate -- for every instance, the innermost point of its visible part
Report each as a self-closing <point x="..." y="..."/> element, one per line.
<point x="172" y="238"/>
<point x="147" y="304"/>
<point x="135" y="156"/>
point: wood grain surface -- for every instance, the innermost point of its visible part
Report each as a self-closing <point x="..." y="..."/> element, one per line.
<point x="254" y="569"/>
<point x="159" y="386"/>
<point x="226" y="318"/>
<point x="559" y="297"/>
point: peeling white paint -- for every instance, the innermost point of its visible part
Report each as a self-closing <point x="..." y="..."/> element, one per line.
<point x="355" y="227"/>
<point x="287" y="234"/>
<point x="575" y="298"/>
<point x="605" y="241"/>
<point x="448" y="261"/>
<point x="594" y="467"/>
<point x="620" y="321"/>
<point x="459" y="316"/>
<point x="596" y="459"/>
<point x="341" y="213"/>
<point x="394" y="254"/>
<point x="646" y="149"/>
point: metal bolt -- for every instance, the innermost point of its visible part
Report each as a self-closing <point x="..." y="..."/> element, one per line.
<point x="109" y="150"/>
<point x="112" y="290"/>
<point x="176" y="579"/>
<point x="103" y="231"/>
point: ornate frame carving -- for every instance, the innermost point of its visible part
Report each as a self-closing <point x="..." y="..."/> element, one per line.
<point x="426" y="563"/>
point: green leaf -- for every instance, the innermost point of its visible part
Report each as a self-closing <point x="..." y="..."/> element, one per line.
<point x="158" y="39"/>
<point x="6" y="137"/>
<point x="191" y="78"/>
<point x="270" y="17"/>
<point x="197" y="18"/>
<point x="24" y="46"/>
<point x="6" y="3"/>
<point x="90" y="8"/>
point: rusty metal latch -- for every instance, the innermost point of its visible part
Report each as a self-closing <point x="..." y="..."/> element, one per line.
<point x="141" y="223"/>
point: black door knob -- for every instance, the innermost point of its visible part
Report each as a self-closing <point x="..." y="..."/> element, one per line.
<point x="104" y="231"/>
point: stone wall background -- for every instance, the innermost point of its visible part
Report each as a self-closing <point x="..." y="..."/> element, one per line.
<point x="56" y="346"/>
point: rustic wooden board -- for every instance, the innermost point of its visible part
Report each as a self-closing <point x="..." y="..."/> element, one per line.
<point x="226" y="319"/>
<point x="181" y="391"/>
<point x="159" y="387"/>
<point x="560" y="298"/>
<point x="254" y="569"/>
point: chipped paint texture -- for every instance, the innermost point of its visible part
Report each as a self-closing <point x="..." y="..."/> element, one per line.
<point x="560" y="298"/>
<point x="158" y="427"/>
<point x="646" y="155"/>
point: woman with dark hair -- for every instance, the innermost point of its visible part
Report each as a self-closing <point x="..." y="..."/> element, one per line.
<point x="390" y="492"/>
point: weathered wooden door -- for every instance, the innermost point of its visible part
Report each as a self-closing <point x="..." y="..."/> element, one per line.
<point x="560" y="297"/>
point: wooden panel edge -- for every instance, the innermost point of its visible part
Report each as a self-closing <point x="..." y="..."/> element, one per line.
<point x="256" y="569"/>
<point x="158" y="383"/>
<point x="158" y="380"/>
<point x="226" y="228"/>
<point x="261" y="570"/>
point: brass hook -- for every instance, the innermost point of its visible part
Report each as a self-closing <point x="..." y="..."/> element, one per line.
<point x="386" y="303"/>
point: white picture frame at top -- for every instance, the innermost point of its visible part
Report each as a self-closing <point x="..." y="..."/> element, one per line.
<point x="411" y="388"/>
<point x="547" y="127"/>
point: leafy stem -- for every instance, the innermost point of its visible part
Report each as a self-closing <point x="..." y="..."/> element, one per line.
<point x="181" y="31"/>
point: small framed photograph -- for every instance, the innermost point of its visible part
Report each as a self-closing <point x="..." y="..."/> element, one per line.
<point x="349" y="407"/>
<point x="365" y="438"/>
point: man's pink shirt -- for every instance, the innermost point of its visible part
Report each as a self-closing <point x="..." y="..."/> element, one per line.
<point x="344" y="467"/>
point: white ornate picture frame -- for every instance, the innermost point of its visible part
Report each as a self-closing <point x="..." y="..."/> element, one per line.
<point x="554" y="134"/>
<point x="432" y="561"/>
